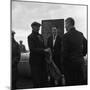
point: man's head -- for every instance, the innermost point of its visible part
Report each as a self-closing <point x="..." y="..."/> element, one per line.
<point x="13" y="33"/>
<point x="69" y="23"/>
<point x="21" y="41"/>
<point x="54" y="31"/>
<point x="35" y="26"/>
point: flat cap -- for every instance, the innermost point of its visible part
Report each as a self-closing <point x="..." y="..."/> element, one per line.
<point x="36" y="24"/>
<point x="20" y="41"/>
<point x="13" y="32"/>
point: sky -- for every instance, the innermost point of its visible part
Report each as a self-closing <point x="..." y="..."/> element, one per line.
<point x="24" y="13"/>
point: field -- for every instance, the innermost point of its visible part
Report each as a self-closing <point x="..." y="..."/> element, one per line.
<point x="24" y="72"/>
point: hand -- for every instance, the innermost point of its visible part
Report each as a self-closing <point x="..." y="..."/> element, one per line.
<point x="47" y="50"/>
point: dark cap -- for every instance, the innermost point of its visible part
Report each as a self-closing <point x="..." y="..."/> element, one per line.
<point x="20" y="41"/>
<point x="13" y="32"/>
<point x="36" y="24"/>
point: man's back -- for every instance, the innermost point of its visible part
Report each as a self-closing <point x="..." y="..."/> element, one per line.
<point x="74" y="44"/>
<point x="74" y="48"/>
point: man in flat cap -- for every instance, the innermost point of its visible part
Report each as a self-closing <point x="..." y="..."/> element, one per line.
<point x="37" y="57"/>
<point x="22" y="47"/>
<point x="15" y="60"/>
<point x="74" y="49"/>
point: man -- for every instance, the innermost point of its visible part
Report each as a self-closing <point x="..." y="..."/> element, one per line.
<point x="15" y="60"/>
<point x="37" y="57"/>
<point x="54" y="43"/>
<point x="74" y="49"/>
<point x="22" y="46"/>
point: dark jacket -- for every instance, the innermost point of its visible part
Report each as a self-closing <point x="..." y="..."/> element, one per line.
<point x="22" y="48"/>
<point x="15" y="60"/>
<point x="56" y="49"/>
<point x="74" y="48"/>
<point x="36" y="47"/>
<point x="37" y="59"/>
<point x="15" y="52"/>
<point x="74" y="44"/>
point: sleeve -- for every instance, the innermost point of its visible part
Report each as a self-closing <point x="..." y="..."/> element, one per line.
<point x="61" y="55"/>
<point x="32" y="46"/>
<point x="65" y="47"/>
<point x="18" y="52"/>
<point x="60" y="44"/>
<point x="84" y="46"/>
<point x="64" y="52"/>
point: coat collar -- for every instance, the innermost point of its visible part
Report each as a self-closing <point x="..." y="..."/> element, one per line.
<point x="35" y="33"/>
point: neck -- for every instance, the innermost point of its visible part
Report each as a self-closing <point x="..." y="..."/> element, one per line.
<point x="71" y="28"/>
<point x="35" y="32"/>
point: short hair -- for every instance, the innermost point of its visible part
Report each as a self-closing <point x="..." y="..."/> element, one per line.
<point x="13" y="32"/>
<point x="70" y="20"/>
<point x="36" y="24"/>
<point x="21" y="41"/>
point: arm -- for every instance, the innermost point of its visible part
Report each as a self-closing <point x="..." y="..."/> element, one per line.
<point x="65" y="47"/>
<point x="64" y="53"/>
<point x="18" y="53"/>
<point x="32" y="46"/>
<point x="84" y="46"/>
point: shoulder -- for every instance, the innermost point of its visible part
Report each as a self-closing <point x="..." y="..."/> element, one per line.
<point x="30" y="36"/>
<point x="79" y="33"/>
<point x="66" y="35"/>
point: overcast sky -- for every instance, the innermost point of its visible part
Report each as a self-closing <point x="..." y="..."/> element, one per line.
<point x="24" y="13"/>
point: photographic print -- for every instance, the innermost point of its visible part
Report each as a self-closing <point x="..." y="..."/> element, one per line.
<point x="48" y="44"/>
